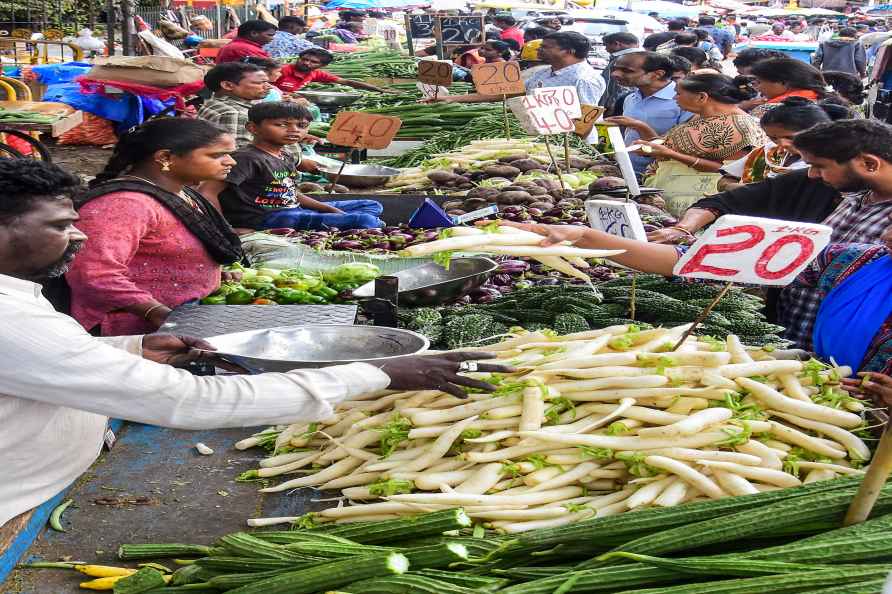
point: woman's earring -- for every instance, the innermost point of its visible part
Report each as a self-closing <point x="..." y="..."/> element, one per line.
<point x="165" y="165"/>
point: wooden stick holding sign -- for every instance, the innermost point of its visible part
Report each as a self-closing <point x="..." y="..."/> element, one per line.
<point x="751" y="250"/>
<point x="699" y="319"/>
<point x="567" y="151"/>
<point x="873" y="482"/>
<point x="554" y="164"/>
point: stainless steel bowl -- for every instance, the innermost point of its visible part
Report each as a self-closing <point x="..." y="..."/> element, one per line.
<point x="330" y="98"/>
<point x="360" y="176"/>
<point x="295" y="347"/>
<point x="431" y="284"/>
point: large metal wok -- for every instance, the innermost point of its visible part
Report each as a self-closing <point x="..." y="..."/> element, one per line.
<point x="295" y="347"/>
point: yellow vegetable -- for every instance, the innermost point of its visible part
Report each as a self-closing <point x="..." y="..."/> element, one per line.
<point x="103" y="570"/>
<point x="108" y="583"/>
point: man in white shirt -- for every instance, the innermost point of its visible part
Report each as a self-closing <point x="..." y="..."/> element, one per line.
<point x="59" y="385"/>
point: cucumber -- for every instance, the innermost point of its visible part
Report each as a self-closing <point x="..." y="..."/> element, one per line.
<point x="326" y="549"/>
<point x="248" y="565"/>
<point x="474" y="582"/>
<point x="431" y="524"/>
<point x="776" y="584"/>
<point x="284" y="537"/>
<point x="130" y="552"/>
<point x="852" y="549"/>
<point x="436" y="556"/>
<point x="407" y="584"/>
<point x="242" y="544"/>
<point x="729" y="528"/>
<point x="866" y="587"/>
<point x="328" y="575"/>
<point x="230" y="581"/>
<point x="610" y="579"/>
<point x="724" y="566"/>
<point x="191" y="574"/>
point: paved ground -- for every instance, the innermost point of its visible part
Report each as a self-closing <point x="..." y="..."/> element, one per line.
<point x="83" y="160"/>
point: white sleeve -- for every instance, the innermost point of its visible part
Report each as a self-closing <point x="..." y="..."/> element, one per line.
<point x="50" y="358"/>
<point x="131" y="344"/>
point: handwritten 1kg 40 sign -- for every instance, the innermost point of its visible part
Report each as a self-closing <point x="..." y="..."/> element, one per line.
<point x="552" y="110"/>
<point x="363" y="130"/>
<point x="754" y="250"/>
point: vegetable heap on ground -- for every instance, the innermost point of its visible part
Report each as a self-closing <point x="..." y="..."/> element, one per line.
<point x="653" y="300"/>
<point x="782" y="541"/>
<point x="266" y="286"/>
<point x="591" y="424"/>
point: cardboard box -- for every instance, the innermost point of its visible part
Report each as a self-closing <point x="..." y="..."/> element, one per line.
<point x="156" y="71"/>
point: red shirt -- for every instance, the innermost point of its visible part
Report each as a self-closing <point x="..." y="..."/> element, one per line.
<point x="239" y="48"/>
<point x="512" y="33"/>
<point x="293" y="79"/>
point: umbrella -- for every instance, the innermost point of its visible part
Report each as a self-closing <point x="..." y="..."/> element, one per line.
<point x="366" y="4"/>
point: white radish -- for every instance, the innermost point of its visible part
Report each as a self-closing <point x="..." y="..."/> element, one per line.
<point x="543" y="474"/>
<point x="622" y="443"/>
<point x="439" y="448"/>
<point x="737" y="350"/>
<point x="646" y="381"/>
<point x="695" y="423"/>
<point x="686" y="473"/>
<point x="857" y="448"/>
<point x="735" y="370"/>
<point x="351" y="480"/>
<point x="536" y="513"/>
<point x="565" y="478"/>
<point x="793" y="387"/>
<point x="673" y="494"/>
<point x="640" y="393"/>
<point x="334" y="471"/>
<point x="436" y="417"/>
<point x="808" y="410"/>
<point x="533" y="409"/>
<point x="565" y="267"/>
<point x="271" y="471"/>
<point x="431" y="481"/>
<point x="283" y="459"/>
<point x="504" y="412"/>
<point x="649" y="492"/>
<point x="796" y="437"/>
<point x="693" y="455"/>
<point x="764" y="475"/>
<point x="482" y="480"/>
<point x="482" y="424"/>
<point x="819" y="474"/>
<point x="835" y="468"/>
<point x="768" y="455"/>
<point x="639" y="413"/>
<point x="701" y="358"/>
<point x="602" y="360"/>
<point x="569" y="518"/>
<point x="624" y="405"/>
<point x="506" y="453"/>
<point x="684" y="405"/>
<point x="539" y="498"/>
<point x="733" y="483"/>
<point x="527" y="251"/>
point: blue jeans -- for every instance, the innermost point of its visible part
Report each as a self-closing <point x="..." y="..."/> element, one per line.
<point x="358" y="214"/>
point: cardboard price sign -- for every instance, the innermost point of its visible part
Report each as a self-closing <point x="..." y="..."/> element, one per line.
<point x="754" y="250"/>
<point x="435" y="72"/>
<point x="617" y="218"/>
<point x="363" y="130"/>
<point x="498" y="78"/>
<point x="586" y="122"/>
<point x="551" y="110"/>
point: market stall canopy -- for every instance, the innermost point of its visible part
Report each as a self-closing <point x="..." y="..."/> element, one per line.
<point x="509" y="5"/>
<point x="365" y="4"/>
<point x="664" y="8"/>
<point x="732" y="5"/>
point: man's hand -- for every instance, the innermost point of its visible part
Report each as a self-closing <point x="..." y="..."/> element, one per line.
<point x="439" y="372"/>
<point x="625" y="121"/>
<point x="173" y="350"/>
<point x="876" y="386"/>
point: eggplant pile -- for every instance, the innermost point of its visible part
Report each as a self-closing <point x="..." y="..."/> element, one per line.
<point x="386" y="239"/>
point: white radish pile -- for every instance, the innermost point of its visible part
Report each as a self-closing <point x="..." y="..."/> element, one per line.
<point x="510" y="241"/>
<point x="582" y="429"/>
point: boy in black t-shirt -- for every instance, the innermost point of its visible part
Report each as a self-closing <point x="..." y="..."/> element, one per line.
<point x="260" y="191"/>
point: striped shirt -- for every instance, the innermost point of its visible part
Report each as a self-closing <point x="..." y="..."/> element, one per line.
<point x="231" y="114"/>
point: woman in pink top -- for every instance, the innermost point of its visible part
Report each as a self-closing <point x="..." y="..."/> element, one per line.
<point x="153" y="243"/>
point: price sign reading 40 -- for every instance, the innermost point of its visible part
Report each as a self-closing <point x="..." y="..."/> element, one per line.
<point x="435" y="72"/>
<point x="498" y="78"/>
<point x="363" y="130"/>
<point x="552" y="110"/>
<point x="754" y="250"/>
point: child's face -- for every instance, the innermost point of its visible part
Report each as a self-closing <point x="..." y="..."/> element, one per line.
<point x="283" y="131"/>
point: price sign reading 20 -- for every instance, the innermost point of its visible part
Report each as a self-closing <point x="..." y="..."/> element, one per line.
<point x="754" y="250"/>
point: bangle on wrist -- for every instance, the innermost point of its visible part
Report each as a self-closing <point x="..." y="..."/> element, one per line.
<point x="682" y="229"/>
<point x="146" y="313"/>
<point x="695" y="163"/>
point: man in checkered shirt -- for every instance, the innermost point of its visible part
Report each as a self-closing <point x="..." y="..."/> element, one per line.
<point x="854" y="157"/>
<point x="236" y="87"/>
